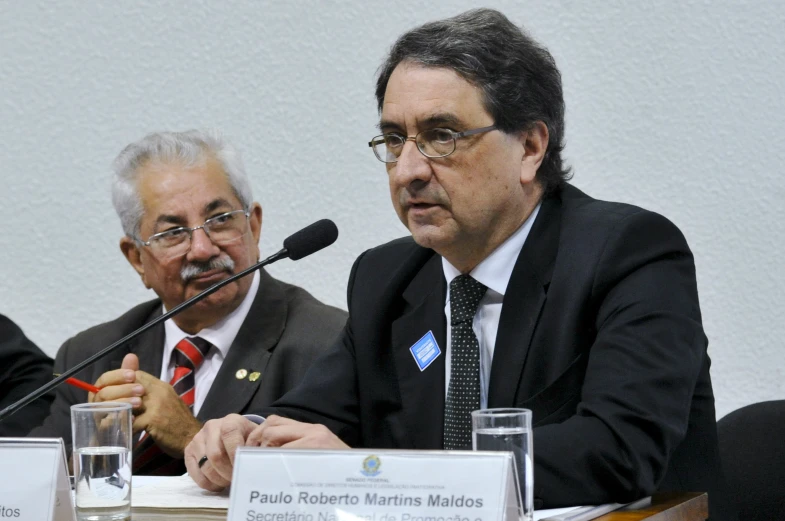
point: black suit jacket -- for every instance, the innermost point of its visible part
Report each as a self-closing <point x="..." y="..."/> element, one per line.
<point x="600" y="336"/>
<point x="285" y="330"/>
<point x="23" y="369"/>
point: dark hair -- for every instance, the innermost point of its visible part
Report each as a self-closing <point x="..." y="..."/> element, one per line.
<point x="518" y="77"/>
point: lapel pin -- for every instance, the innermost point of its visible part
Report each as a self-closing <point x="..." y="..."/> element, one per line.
<point x="254" y="376"/>
<point x="425" y="350"/>
<point x="240" y="374"/>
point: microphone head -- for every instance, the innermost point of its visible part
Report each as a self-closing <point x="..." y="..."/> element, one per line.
<point x="311" y="239"/>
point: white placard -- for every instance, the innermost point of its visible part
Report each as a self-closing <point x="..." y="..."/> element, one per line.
<point x="373" y="485"/>
<point x="34" y="483"/>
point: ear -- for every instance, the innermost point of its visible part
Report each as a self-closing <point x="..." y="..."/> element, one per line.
<point x="133" y="255"/>
<point x="535" y="143"/>
<point x="255" y="220"/>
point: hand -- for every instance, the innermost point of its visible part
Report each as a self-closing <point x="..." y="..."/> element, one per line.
<point x="164" y="416"/>
<point x="290" y="434"/>
<point x="120" y="385"/>
<point x="218" y="440"/>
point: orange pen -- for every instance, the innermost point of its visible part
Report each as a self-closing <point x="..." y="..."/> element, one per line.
<point x="81" y="385"/>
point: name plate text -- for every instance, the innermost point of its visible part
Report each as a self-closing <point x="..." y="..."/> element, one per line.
<point x="372" y="485"/>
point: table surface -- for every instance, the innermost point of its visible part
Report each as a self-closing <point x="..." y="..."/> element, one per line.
<point x="666" y="506"/>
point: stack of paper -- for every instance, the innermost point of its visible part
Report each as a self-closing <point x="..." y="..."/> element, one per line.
<point x="163" y="498"/>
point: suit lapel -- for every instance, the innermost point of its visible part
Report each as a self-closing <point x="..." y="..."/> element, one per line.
<point x="523" y="301"/>
<point x="422" y="392"/>
<point x="149" y="346"/>
<point x="251" y="350"/>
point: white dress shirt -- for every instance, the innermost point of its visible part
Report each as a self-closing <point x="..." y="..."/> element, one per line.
<point x="220" y="335"/>
<point x="494" y="272"/>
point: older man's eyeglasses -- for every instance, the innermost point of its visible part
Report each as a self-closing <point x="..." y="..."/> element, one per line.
<point x="435" y="142"/>
<point x="221" y="230"/>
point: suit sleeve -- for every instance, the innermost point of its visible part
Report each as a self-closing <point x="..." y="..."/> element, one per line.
<point x="58" y="423"/>
<point x="328" y="393"/>
<point x="641" y="373"/>
<point x="23" y="369"/>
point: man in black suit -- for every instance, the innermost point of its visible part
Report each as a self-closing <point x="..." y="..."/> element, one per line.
<point x="537" y="295"/>
<point x="190" y="221"/>
<point x="23" y="369"/>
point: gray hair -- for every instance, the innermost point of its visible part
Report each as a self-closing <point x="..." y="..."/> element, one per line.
<point x="518" y="77"/>
<point x="186" y="148"/>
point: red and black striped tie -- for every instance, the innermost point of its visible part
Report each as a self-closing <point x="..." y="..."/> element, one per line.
<point x="188" y="355"/>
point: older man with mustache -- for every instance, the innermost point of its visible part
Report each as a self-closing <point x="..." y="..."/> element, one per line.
<point x="190" y="221"/>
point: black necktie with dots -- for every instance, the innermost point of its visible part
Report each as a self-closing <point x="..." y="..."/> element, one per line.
<point x="463" y="392"/>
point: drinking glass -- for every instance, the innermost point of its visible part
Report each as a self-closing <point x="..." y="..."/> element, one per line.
<point x="509" y="430"/>
<point x="102" y="460"/>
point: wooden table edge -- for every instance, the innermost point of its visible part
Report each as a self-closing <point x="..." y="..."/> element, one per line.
<point x="666" y="506"/>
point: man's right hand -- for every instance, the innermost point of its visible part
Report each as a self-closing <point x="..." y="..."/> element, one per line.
<point x="218" y="440"/>
<point x="120" y="385"/>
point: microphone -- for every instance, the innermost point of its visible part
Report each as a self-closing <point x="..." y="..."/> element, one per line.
<point x="310" y="239"/>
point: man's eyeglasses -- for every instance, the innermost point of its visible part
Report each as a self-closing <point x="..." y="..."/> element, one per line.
<point x="435" y="142"/>
<point x="221" y="229"/>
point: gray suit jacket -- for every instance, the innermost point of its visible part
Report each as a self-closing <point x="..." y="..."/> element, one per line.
<point x="285" y="330"/>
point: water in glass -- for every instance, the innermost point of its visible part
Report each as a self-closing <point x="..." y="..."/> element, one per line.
<point x="515" y="440"/>
<point x="102" y="478"/>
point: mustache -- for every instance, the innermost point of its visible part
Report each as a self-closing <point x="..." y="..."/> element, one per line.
<point x="194" y="269"/>
<point x="431" y="196"/>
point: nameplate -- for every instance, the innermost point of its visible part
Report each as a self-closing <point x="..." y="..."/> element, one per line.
<point x="373" y="485"/>
<point x="34" y="477"/>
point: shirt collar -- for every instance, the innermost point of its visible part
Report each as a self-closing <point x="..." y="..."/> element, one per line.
<point x="222" y="333"/>
<point x="495" y="270"/>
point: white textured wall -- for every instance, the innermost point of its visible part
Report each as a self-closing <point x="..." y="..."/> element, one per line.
<point x="678" y="108"/>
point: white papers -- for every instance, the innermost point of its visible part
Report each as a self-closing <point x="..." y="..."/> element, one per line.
<point x="178" y="492"/>
<point x="551" y="512"/>
<point x="588" y="513"/>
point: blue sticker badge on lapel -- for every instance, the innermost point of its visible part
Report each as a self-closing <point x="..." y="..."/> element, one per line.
<point x="425" y="350"/>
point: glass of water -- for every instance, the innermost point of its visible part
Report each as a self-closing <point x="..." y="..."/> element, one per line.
<point x="102" y="460"/>
<point x="509" y="430"/>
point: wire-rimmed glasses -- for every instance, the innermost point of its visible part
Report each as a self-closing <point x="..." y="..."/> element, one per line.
<point x="434" y="142"/>
<point x="221" y="230"/>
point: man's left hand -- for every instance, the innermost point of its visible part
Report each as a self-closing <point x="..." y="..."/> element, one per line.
<point x="164" y="416"/>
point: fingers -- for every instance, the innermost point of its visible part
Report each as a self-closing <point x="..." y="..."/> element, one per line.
<point x="130" y="361"/>
<point x="118" y="386"/>
<point x="274" y="431"/>
<point x="218" y="440"/>
<point x="311" y="443"/>
<point x="223" y="441"/>
<point x="147" y="379"/>
<point x="286" y="433"/>
<point x="160" y="398"/>
<point x="130" y="393"/>
<point x="141" y="422"/>
<point x="211" y="474"/>
<point x="116" y="377"/>
<point x="193" y="453"/>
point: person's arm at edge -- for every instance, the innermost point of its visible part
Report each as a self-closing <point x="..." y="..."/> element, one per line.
<point x="26" y="369"/>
